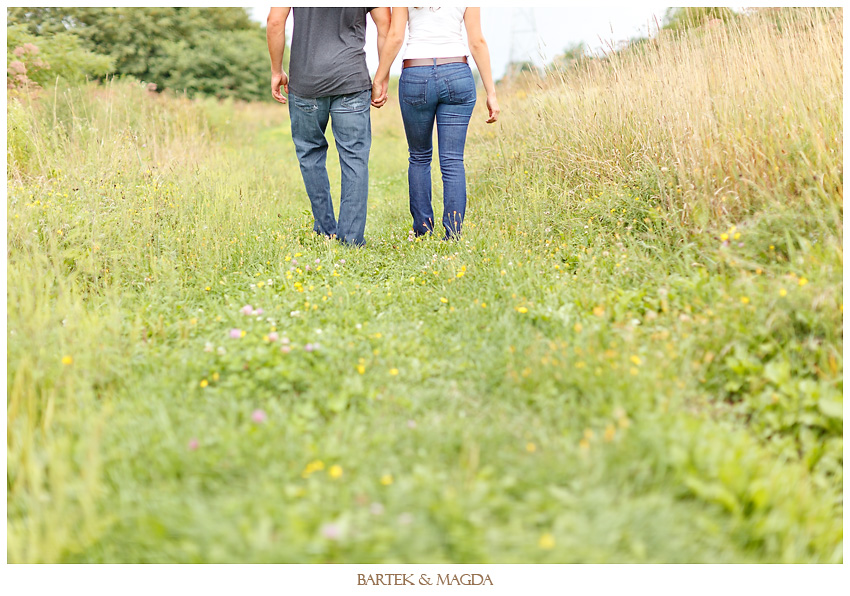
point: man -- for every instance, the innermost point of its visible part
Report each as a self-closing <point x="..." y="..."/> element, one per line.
<point x="328" y="78"/>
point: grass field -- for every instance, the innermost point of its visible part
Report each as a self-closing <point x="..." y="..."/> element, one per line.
<point x="633" y="355"/>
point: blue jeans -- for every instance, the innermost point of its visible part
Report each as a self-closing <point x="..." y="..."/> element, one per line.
<point x="351" y="125"/>
<point x="444" y="93"/>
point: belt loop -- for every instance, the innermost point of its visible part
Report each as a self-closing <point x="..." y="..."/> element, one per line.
<point x="435" y="62"/>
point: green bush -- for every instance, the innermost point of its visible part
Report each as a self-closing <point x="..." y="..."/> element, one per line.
<point x="34" y="59"/>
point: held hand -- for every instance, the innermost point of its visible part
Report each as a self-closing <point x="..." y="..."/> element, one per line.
<point x="379" y="92"/>
<point x="493" y="107"/>
<point x="279" y="79"/>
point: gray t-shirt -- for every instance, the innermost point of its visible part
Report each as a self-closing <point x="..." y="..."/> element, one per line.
<point x="327" y="55"/>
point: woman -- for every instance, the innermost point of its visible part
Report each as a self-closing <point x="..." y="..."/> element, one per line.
<point x="436" y="85"/>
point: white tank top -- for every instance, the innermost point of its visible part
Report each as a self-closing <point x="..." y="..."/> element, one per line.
<point x="435" y="32"/>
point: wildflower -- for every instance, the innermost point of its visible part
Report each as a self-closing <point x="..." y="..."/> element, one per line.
<point x="783" y="292"/>
<point x="193" y="321"/>
<point x="314" y="466"/>
<point x="599" y="311"/>
<point x="258" y="416"/>
<point x="204" y="383"/>
<point x="273" y="336"/>
<point x="246" y="310"/>
<point x="636" y="360"/>
<point x="335" y="471"/>
<point x="609" y="433"/>
<point x="633" y="371"/>
<point x="376" y="509"/>
<point x="444" y="300"/>
<point x="193" y="444"/>
<point x="405" y="519"/>
<point x="393" y="371"/>
<point x="221" y="351"/>
<point x="588" y="434"/>
<point x="215" y="376"/>
<point x="531" y="447"/>
<point x="331" y="531"/>
<point x="745" y="300"/>
<point x="257" y="312"/>
<point x="546" y="542"/>
<point x="584" y="444"/>
<point x="66" y="360"/>
<point x="521" y="309"/>
<point x="235" y="333"/>
<point x="311" y="347"/>
<point x="208" y="347"/>
<point x="803" y="281"/>
<point x="207" y="288"/>
<point x="387" y="479"/>
<point x="577" y="327"/>
<point x="724" y="236"/>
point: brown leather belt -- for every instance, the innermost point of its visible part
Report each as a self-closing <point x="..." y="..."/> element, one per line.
<point x="431" y="61"/>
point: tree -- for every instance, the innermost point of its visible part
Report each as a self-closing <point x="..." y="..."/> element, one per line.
<point x="573" y="55"/>
<point x="681" y="18"/>
<point x="216" y="51"/>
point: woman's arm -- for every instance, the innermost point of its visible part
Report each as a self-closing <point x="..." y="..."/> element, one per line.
<point x="392" y="44"/>
<point x="481" y="55"/>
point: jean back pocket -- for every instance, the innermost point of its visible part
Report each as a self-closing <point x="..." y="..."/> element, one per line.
<point x="414" y="93"/>
<point x="304" y="104"/>
<point x="461" y="88"/>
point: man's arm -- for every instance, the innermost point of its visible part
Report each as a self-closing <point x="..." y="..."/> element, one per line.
<point x="276" y="37"/>
<point x="381" y="17"/>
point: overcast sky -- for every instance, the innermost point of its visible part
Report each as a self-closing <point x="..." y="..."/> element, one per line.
<point x="556" y="28"/>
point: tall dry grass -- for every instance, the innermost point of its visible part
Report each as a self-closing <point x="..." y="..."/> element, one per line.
<point x="713" y="123"/>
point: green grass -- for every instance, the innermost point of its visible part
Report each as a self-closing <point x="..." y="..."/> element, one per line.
<point x="582" y="378"/>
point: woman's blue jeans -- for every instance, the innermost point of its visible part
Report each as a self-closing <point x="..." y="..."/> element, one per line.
<point x="445" y="93"/>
